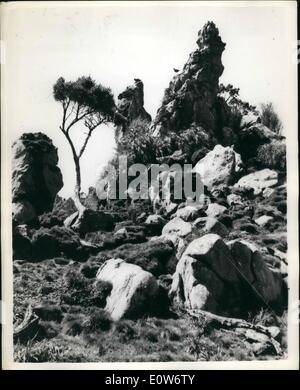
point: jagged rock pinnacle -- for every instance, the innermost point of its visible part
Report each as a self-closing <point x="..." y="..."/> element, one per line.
<point x="191" y="95"/>
<point x="130" y="107"/>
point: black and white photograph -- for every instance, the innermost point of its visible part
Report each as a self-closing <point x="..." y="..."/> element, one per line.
<point x="149" y="184"/>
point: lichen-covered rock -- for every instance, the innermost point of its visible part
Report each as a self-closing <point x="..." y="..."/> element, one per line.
<point x="36" y="178"/>
<point x="219" y="166"/>
<point x="133" y="289"/>
<point x="191" y="95"/>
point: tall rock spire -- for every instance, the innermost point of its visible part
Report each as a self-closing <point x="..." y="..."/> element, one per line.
<point x="191" y="95"/>
<point x="130" y="107"/>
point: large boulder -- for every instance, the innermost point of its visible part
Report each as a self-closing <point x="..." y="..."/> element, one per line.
<point x="258" y="181"/>
<point x="264" y="284"/>
<point x="230" y="280"/>
<point x="219" y="166"/>
<point x="204" y="274"/>
<point x="133" y="289"/>
<point x="36" y="178"/>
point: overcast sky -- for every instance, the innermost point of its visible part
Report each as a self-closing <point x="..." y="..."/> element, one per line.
<point x="115" y="44"/>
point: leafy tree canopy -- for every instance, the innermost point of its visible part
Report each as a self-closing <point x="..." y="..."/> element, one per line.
<point x="86" y="94"/>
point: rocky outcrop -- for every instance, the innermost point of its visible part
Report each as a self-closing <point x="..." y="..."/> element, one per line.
<point x="192" y="94"/>
<point x="203" y="274"/>
<point x="214" y="277"/>
<point x="36" y="178"/>
<point x="133" y="289"/>
<point x="265" y="283"/>
<point x="130" y="106"/>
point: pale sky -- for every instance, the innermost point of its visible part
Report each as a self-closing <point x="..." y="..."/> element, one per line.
<point x="115" y="44"/>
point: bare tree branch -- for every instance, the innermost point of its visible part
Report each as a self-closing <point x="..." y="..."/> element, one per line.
<point x="91" y="126"/>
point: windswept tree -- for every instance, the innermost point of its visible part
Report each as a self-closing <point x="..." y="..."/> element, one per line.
<point x="83" y="101"/>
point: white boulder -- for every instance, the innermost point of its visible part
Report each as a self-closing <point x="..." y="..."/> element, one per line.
<point x="218" y="166"/>
<point x="133" y="289"/>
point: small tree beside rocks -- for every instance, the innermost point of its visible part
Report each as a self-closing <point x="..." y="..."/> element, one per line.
<point x="83" y="101"/>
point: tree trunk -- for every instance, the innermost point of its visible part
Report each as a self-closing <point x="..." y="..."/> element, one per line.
<point x="77" y="198"/>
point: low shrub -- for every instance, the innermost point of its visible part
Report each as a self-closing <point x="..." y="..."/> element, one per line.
<point x="270" y="118"/>
<point x="81" y="291"/>
<point x="272" y="155"/>
<point x="99" y="320"/>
